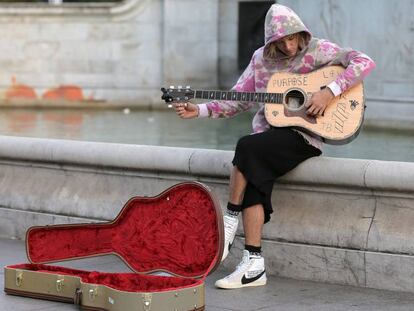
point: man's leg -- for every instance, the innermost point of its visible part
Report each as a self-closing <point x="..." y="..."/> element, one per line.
<point x="237" y="187"/>
<point x="251" y="270"/>
<point x="253" y="217"/>
<point x="253" y="220"/>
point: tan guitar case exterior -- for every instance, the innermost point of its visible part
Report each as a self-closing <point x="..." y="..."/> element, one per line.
<point x="178" y="233"/>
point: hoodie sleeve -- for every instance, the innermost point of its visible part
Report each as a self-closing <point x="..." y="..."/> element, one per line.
<point x="357" y="64"/>
<point x="226" y="109"/>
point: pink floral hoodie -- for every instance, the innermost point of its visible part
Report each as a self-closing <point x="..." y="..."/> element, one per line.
<point x="316" y="53"/>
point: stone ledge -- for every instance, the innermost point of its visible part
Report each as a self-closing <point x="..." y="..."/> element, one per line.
<point x="14" y="223"/>
<point x="333" y="265"/>
<point x="337" y="220"/>
<point x="362" y="174"/>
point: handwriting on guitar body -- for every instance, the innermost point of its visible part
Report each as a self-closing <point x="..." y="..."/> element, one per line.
<point x="327" y="74"/>
<point x="285" y="103"/>
<point x="291" y="81"/>
<point x="340" y="116"/>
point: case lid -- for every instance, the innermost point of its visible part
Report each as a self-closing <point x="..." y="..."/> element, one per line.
<point x="179" y="231"/>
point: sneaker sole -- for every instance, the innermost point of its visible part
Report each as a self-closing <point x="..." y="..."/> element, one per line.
<point x="235" y="286"/>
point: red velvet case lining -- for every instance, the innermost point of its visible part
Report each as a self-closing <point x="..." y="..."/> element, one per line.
<point x="177" y="231"/>
<point x="130" y="282"/>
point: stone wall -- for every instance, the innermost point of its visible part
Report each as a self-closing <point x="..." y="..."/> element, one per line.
<point x="81" y="52"/>
<point x="124" y="52"/>
<point x="106" y="52"/>
<point x="382" y="29"/>
<point x="336" y="220"/>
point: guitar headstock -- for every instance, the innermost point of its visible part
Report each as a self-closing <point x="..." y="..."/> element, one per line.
<point x="175" y="95"/>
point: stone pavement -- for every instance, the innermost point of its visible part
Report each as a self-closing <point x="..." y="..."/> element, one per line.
<point x="280" y="293"/>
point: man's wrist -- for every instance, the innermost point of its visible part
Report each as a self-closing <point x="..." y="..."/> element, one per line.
<point x="202" y="111"/>
<point x="334" y="88"/>
<point x="330" y="92"/>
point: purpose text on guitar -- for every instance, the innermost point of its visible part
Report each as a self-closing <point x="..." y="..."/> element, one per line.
<point x="285" y="100"/>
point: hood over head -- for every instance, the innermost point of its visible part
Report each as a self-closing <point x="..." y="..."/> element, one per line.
<point x="282" y="21"/>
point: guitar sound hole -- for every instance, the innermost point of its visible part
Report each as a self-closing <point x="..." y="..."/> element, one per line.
<point x="294" y="99"/>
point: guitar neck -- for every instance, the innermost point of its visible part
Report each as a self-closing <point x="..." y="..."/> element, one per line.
<point x="276" y="98"/>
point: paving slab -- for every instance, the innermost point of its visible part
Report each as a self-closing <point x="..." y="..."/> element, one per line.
<point x="279" y="294"/>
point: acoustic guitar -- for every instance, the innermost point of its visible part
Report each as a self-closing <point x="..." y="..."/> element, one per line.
<point x="285" y="103"/>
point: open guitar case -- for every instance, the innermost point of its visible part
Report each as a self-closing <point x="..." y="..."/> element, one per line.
<point x="178" y="233"/>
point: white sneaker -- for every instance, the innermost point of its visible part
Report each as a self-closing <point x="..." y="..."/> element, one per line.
<point x="230" y="228"/>
<point x="250" y="272"/>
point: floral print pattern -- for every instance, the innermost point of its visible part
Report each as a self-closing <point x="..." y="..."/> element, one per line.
<point x="315" y="53"/>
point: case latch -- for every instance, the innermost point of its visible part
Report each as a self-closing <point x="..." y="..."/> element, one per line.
<point x="19" y="278"/>
<point x="93" y="292"/>
<point x="146" y="300"/>
<point x="59" y="283"/>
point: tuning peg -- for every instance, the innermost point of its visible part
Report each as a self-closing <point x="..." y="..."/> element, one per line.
<point x="187" y="87"/>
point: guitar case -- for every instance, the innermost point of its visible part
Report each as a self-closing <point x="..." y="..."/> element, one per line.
<point x="178" y="233"/>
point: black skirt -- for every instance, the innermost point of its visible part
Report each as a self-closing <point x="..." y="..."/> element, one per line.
<point x="264" y="157"/>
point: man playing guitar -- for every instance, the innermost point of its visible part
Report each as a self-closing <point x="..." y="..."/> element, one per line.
<point x="271" y="152"/>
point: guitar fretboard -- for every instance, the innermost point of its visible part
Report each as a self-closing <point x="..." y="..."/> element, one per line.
<point x="240" y="96"/>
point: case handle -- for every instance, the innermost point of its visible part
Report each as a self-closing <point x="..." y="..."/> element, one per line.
<point x="78" y="297"/>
